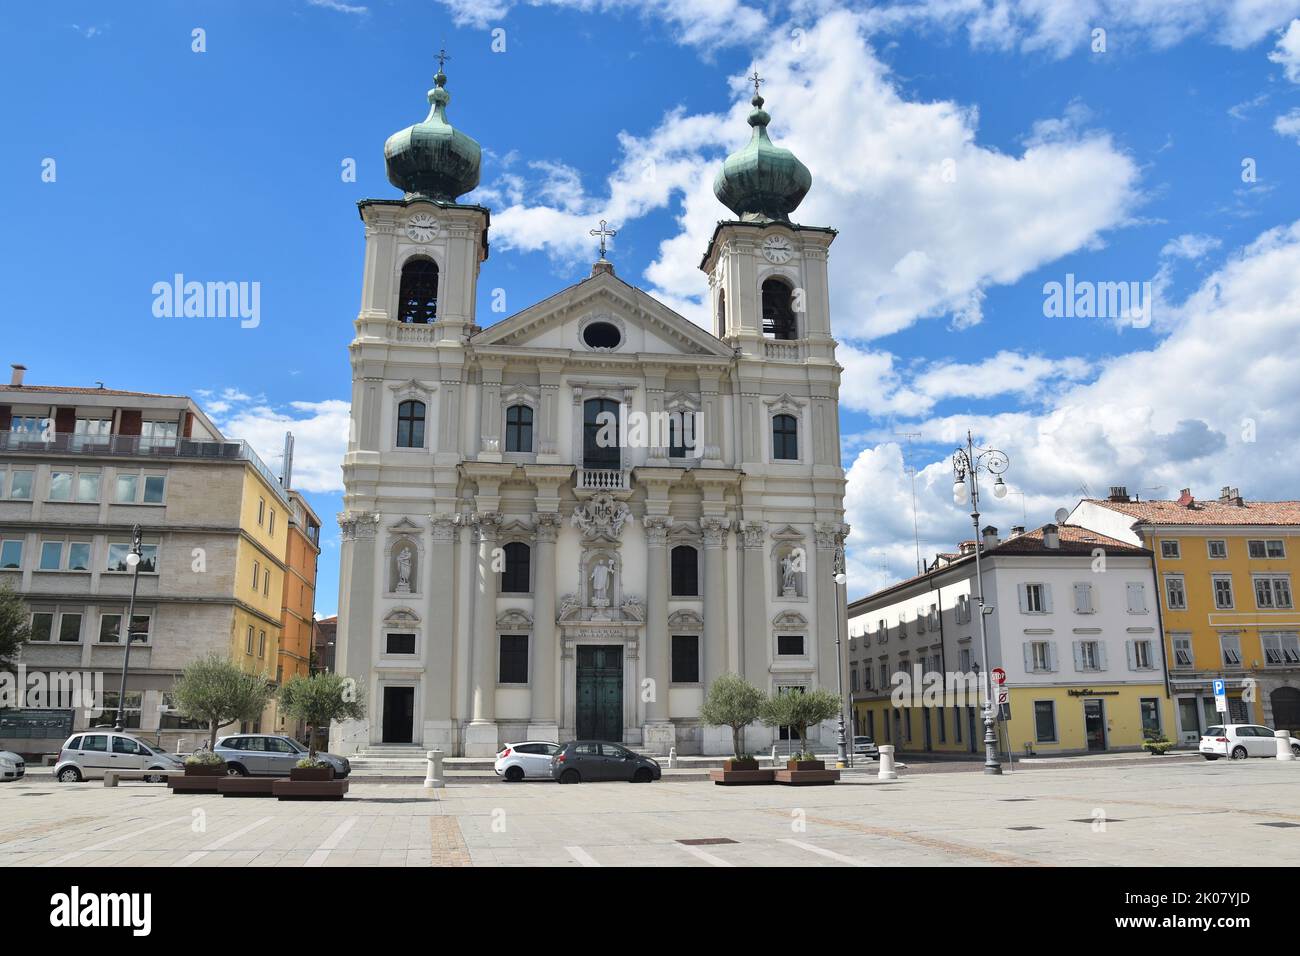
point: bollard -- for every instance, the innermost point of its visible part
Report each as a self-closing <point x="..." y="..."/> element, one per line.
<point x="433" y="774"/>
<point x="773" y="755"/>
<point x="1283" y="738"/>
<point x="887" y="771"/>
<point x="672" y="757"/>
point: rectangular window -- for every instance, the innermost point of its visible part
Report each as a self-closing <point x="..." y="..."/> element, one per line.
<point x="88" y="486"/>
<point x="1170" y="549"/>
<point x="964" y="660"/>
<point x="69" y="628"/>
<point x="686" y="659"/>
<point x="399" y="644"/>
<point x="1231" y="646"/>
<point x="51" y="555"/>
<point x="110" y="628"/>
<point x="153" y="489"/>
<point x="261" y="511"/>
<point x="1089" y="656"/>
<point x="127" y="485"/>
<point x="11" y="554"/>
<point x="963" y="609"/>
<point x="270" y="524"/>
<point x="248" y="641"/>
<point x="1218" y="549"/>
<point x="1137" y="597"/>
<point x="93" y="427"/>
<point x="20" y="486"/>
<point x="1040" y="656"/>
<point x="884" y="675"/>
<point x="261" y="644"/>
<point x="42" y="626"/>
<point x="1281" y="650"/>
<point x="1150" y="710"/>
<point x="118" y="553"/>
<point x="1045" y="721"/>
<point x="79" y="556"/>
<point x="130" y="712"/>
<point x="789" y="645"/>
<point x="1273" y="592"/>
<point x="257" y="574"/>
<point x="1142" y="660"/>
<point x="157" y="435"/>
<point x="1222" y="592"/>
<point x="1033" y="598"/>
<point x="514" y="659"/>
<point x="1183" y="656"/>
<point x="1175" y="593"/>
<point x="60" y="486"/>
<point x="1270" y="548"/>
<point x="266" y="582"/>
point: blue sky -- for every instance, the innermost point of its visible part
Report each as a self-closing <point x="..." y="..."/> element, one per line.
<point x="969" y="152"/>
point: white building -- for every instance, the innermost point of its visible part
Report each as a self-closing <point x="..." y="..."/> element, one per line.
<point x="508" y="573"/>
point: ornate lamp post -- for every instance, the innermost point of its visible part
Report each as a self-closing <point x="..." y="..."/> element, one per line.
<point x="968" y="462"/>
<point x="841" y="745"/>
<point x="133" y="562"/>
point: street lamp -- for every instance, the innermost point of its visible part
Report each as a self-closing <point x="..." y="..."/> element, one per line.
<point x="841" y="745"/>
<point x="966" y="464"/>
<point x="133" y="562"/>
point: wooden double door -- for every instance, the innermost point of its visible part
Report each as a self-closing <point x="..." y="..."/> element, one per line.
<point x="600" y="693"/>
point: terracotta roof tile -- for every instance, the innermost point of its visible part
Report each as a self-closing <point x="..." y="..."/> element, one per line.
<point x="1074" y="540"/>
<point x="1206" y="512"/>
<point x="13" y="390"/>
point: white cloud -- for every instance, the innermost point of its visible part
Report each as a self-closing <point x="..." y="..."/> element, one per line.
<point x="1288" y="124"/>
<point x="339" y="7"/>
<point x="1287" y="51"/>
<point x="320" y="435"/>
<point x="1189" y="246"/>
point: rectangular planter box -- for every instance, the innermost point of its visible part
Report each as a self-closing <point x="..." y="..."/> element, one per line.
<point x="734" y="764"/>
<point x="732" y="778"/>
<point x="805" y="765"/>
<point x="309" y="789"/>
<point x="805" y="778"/>
<point x="200" y="783"/>
<point x="204" y="770"/>
<point x="245" y="786"/>
<point x="311" y="773"/>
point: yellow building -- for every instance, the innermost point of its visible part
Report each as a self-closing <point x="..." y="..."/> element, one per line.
<point x="1226" y="569"/>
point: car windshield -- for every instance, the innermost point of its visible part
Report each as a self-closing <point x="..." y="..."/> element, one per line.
<point x="862" y="740"/>
<point x="297" y="747"/>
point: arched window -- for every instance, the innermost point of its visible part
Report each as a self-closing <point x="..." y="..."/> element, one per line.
<point x="519" y="428"/>
<point x="600" y="434"/>
<point x="417" y="298"/>
<point x="410" y="424"/>
<point x="778" y="310"/>
<point x="722" y="312"/>
<point x="685" y="571"/>
<point x="514" y="579"/>
<point x="785" y="438"/>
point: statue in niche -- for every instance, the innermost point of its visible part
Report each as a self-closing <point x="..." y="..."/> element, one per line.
<point x="602" y="573"/>
<point x="404" y="571"/>
<point x="790" y="568"/>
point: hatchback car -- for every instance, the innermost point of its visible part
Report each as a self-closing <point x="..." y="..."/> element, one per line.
<point x="865" y="747"/>
<point x="87" y="755"/>
<point x="12" y="766"/>
<point x="582" y="761"/>
<point x="269" y="755"/>
<point x="1239" y="741"/>
<point x="525" y="761"/>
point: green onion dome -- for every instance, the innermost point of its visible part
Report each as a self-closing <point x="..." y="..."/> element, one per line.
<point x="762" y="181"/>
<point x="433" y="159"/>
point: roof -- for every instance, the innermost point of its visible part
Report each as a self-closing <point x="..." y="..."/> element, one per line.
<point x="1206" y="512"/>
<point x="83" y="390"/>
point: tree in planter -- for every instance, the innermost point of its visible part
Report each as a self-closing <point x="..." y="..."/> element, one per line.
<point x="215" y="691"/>
<point x="319" y="699"/>
<point x="14" y="628"/>
<point x="733" y="702"/>
<point x="800" y="710"/>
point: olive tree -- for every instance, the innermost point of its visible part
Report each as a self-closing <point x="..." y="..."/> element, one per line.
<point x="800" y="710"/>
<point x="215" y="691"/>
<point x="319" y="699"/>
<point x="733" y="702"/>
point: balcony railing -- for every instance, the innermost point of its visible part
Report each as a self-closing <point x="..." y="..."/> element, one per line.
<point x="136" y="446"/>
<point x="604" y="479"/>
<point x="785" y="350"/>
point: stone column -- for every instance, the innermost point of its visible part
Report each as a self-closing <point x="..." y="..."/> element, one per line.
<point x="544" y="722"/>
<point x="717" y="740"/>
<point x="756" y="627"/>
<point x="481" y="734"/>
<point x="659" y="735"/>
<point x="439" y="633"/>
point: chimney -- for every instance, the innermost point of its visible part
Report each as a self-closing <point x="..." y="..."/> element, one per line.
<point x="990" y="537"/>
<point x="1017" y="530"/>
<point x="1051" y="537"/>
<point x="1231" y="496"/>
<point x="965" y="547"/>
<point x="1185" y="498"/>
<point x="17" y="380"/>
<point x="1118" y="493"/>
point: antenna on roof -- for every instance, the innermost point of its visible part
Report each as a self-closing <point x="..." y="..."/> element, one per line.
<point x="287" y="478"/>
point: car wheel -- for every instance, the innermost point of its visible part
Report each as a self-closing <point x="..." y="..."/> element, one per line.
<point x="154" y="778"/>
<point x="236" y="770"/>
<point x="514" y="774"/>
<point x="69" y="775"/>
<point x="1210" y="756"/>
<point x="1239" y="753"/>
<point x="570" y="776"/>
<point x="1295" y="749"/>
<point x="642" y="775"/>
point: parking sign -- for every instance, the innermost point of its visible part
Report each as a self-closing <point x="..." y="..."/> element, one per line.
<point x="1220" y="695"/>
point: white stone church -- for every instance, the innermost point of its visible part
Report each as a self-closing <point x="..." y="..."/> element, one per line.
<point x="509" y="572"/>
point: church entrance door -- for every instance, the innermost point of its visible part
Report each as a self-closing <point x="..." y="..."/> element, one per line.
<point x="399" y="714"/>
<point x="600" y="693"/>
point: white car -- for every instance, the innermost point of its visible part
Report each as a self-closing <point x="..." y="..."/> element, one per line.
<point x="526" y="761"/>
<point x="1240" y="741"/>
<point x="865" y="747"/>
<point x="11" y="766"/>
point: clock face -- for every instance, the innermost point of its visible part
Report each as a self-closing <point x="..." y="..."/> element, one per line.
<point x="422" y="227"/>
<point x="777" y="249"/>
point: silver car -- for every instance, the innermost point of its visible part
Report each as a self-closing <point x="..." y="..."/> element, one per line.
<point x="12" y="766"/>
<point x="269" y="755"/>
<point x="87" y="755"/>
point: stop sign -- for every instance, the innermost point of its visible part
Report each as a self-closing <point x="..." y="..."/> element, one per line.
<point x="999" y="675"/>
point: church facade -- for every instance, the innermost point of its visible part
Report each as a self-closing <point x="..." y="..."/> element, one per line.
<point x="570" y="522"/>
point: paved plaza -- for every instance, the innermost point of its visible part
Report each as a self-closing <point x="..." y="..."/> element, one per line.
<point x="1144" y="813"/>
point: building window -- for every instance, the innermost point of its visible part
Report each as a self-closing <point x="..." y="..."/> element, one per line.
<point x="261" y="513"/>
<point x="110" y="628"/>
<point x="685" y="571"/>
<point x="519" y="428"/>
<point x="1183" y="656"/>
<point x="1150" y="710"/>
<point x="1170" y="549"/>
<point x="1039" y="657"/>
<point x="126" y="489"/>
<point x="1218" y="548"/>
<point x="11" y="554"/>
<point x="51" y="556"/>
<point x="399" y="644"/>
<point x="270" y="524"/>
<point x="60" y="486"/>
<point x="515" y="575"/>
<point x="785" y="438"/>
<point x="1230" y="644"/>
<point x="1271" y="548"/>
<point x="69" y="628"/>
<point x="1281" y="650"/>
<point x="1035" y="599"/>
<point x="157" y="435"/>
<point x="789" y="645"/>
<point x="778" y="310"/>
<point x="418" y="293"/>
<point x="257" y="574"/>
<point x="1175" y="594"/>
<point x="1223" y="592"/>
<point x="514" y="659"/>
<point x="1083" y="599"/>
<point x="964" y="660"/>
<point x="410" y="424"/>
<point x="266" y="582"/>
<point x="42" y="629"/>
<point x="602" y="335"/>
<point x="1045" y="721"/>
<point x="686" y="659"/>
<point x="130" y="711"/>
<point x="1089" y="656"/>
<point x="1137" y="597"/>
<point x="79" y="556"/>
<point x="681" y="437"/>
<point x="88" y="486"/>
<point x="884" y="675"/>
<point x="118" y="552"/>
<point x="963" y="609"/>
<point x="600" y="419"/>
<point x="1273" y="592"/>
<point x="853" y="679"/>
<point x="261" y="644"/>
<point x="722" y="312"/>
<point x="20" y="486"/>
<point x="248" y="641"/>
<point x="1140" y="656"/>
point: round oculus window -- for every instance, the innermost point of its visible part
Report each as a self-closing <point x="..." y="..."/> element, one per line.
<point x="602" y="335"/>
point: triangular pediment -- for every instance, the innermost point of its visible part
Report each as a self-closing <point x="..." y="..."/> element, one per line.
<point x="644" y="324"/>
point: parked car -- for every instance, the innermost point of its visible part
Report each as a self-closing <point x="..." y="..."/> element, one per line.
<point x="527" y="760"/>
<point x="866" y="747"/>
<point x="11" y="766"/>
<point x="1239" y="741"/>
<point x="581" y="761"/>
<point x="87" y="755"/>
<point x="269" y="755"/>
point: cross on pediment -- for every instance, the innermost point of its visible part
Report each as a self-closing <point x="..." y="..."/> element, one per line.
<point x="603" y="232"/>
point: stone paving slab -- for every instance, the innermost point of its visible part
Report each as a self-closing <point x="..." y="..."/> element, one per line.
<point x="1143" y="813"/>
